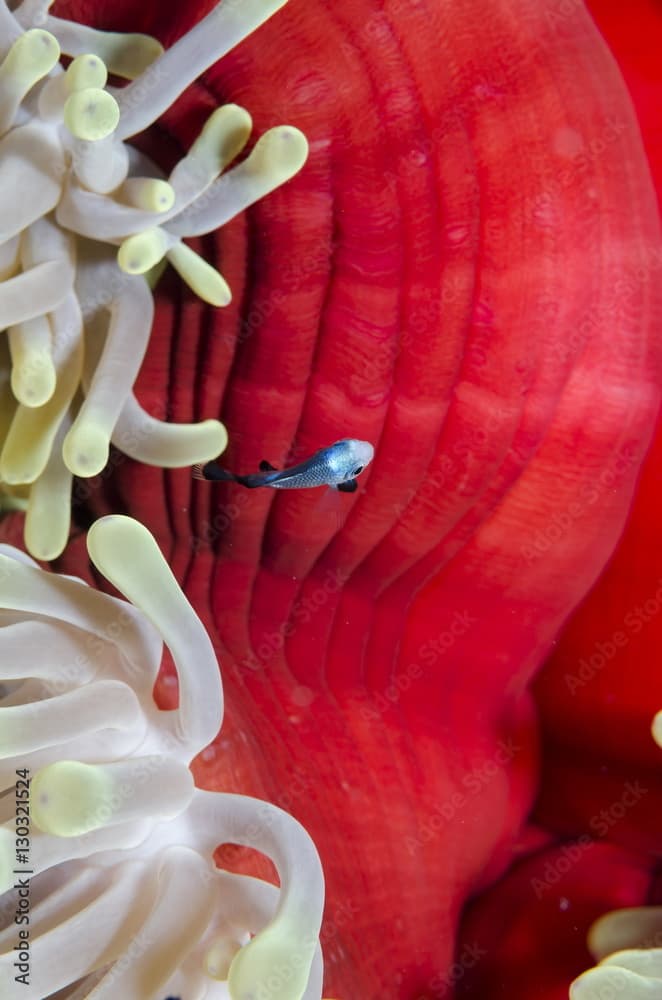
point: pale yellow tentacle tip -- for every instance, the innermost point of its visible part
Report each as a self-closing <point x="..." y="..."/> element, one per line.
<point x="217" y="437"/>
<point x="34" y="384"/>
<point x="281" y="152"/>
<point x="91" y="114"/>
<point x="656" y="729"/>
<point x="129" y="55"/>
<point x="172" y="446"/>
<point x="47" y="526"/>
<point x="139" y="253"/>
<point x="15" y="468"/>
<point x="86" y="71"/>
<point x="128" y="555"/>
<point x="206" y="440"/>
<point x="607" y="982"/>
<point x="65" y="797"/>
<point x="148" y="193"/>
<point x="113" y="539"/>
<point x="200" y="276"/>
<point x="85" y="449"/>
<point x="31" y="57"/>
<point x="224" y="135"/>
<point x="253" y="965"/>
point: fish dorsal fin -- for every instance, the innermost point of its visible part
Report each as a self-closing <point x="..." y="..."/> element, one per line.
<point x="267" y="466"/>
<point x="349" y="486"/>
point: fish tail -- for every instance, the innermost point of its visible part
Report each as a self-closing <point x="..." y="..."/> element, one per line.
<point x="253" y="480"/>
<point x="212" y="471"/>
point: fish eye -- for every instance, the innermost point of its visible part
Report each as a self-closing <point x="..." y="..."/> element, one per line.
<point x="358" y="470"/>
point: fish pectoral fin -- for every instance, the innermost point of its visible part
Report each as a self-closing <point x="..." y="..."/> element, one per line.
<point x="267" y="466"/>
<point x="349" y="486"/>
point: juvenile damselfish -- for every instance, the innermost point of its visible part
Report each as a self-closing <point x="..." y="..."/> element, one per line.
<point x="337" y="465"/>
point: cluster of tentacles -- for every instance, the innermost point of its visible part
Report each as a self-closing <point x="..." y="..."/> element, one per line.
<point x="627" y="944"/>
<point x="85" y="219"/>
<point x="629" y="964"/>
<point x="125" y="896"/>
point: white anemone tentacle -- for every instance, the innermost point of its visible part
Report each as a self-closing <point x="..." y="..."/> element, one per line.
<point x="67" y="172"/>
<point x="125" y="896"/>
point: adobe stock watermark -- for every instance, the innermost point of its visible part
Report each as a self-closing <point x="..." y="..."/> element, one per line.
<point x="469" y="957"/>
<point x="600" y="824"/>
<point x="450" y="466"/>
<point x="89" y="649"/>
<point x="341" y="919"/>
<point x="428" y="654"/>
<point x="636" y="619"/>
<point x="302" y="613"/>
<point x="472" y="784"/>
<point x="589" y="493"/>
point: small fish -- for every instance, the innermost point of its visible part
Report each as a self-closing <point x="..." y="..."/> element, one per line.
<point x="338" y="465"/>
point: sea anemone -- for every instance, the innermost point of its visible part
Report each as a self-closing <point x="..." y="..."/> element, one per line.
<point x="110" y="884"/>
<point x="464" y="273"/>
<point x="85" y="219"/>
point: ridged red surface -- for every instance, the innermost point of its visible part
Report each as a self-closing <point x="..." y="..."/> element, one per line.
<point x="461" y="274"/>
<point x="601" y="777"/>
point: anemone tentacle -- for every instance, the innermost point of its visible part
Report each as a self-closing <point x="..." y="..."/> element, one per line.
<point x="82" y="211"/>
<point x="122" y="844"/>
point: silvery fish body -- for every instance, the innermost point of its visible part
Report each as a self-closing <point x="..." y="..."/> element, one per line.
<point x="338" y="465"/>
